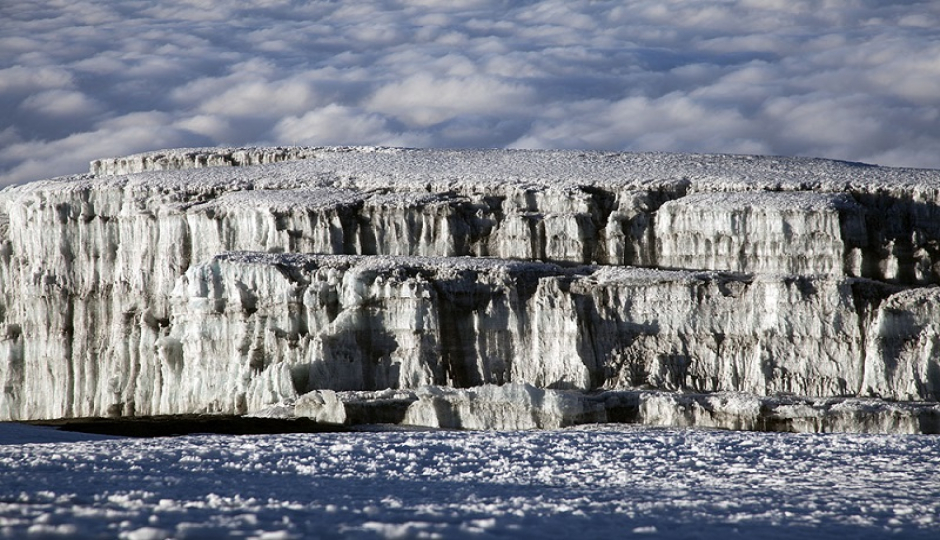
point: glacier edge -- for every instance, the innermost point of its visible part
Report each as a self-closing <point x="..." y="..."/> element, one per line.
<point x="232" y="280"/>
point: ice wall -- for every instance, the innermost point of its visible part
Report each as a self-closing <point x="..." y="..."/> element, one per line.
<point x="121" y="294"/>
<point x="247" y="330"/>
<point x="902" y="359"/>
<point x="197" y="158"/>
<point x="796" y="233"/>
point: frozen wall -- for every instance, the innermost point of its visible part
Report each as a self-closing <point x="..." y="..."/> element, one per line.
<point x="122" y="295"/>
<point x="796" y="233"/>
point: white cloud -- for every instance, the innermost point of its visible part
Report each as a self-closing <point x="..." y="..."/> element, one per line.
<point x="261" y="98"/>
<point x="62" y="103"/>
<point x="135" y="132"/>
<point x="16" y="78"/>
<point x="339" y="125"/>
<point x="423" y="100"/>
<point x="674" y="121"/>
<point x="213" y="127"/>
<point x="856" y="80"/>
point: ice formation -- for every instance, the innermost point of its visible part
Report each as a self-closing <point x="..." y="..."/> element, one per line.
<point x="516" y="406"/>
<point x="232" y="280"/>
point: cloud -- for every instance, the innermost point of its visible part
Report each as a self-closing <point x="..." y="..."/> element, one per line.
<point x="26" y="79"/>
<point x="674" y="121"/>
<point x="855" y="80"/>
<point x="61" y="103"/>
<point x="423" y="100"/>
<point x="339" y="125"/>
<point x="134" y="132"/>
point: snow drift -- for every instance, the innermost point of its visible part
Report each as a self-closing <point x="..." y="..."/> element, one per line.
<point x="231" y="280"/>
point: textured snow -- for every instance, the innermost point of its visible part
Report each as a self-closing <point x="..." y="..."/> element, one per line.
<point x="610" y="481"/>
<point x="365" y="166"/>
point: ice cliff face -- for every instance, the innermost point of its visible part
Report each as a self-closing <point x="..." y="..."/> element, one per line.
<point x="230" y="280"/>
<point x="360" y="323"/>
<point x="794" y="233"/>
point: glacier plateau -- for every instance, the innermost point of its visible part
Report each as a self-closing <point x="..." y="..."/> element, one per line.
<point x="236" y="280"/>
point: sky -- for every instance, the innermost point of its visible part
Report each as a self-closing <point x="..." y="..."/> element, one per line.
<point x="855" y="80"/>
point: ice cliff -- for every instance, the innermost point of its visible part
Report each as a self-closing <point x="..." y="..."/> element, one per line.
<point x="233" y="280"/>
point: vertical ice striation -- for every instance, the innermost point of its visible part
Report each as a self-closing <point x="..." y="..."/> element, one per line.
<point x="228" y="280"/>
<point x="723" y="332"/>
<point x="253" y="329"/>
<point x="903" y="356"/>
<point x="198" y="158"/>
<point x="794" y="233"/>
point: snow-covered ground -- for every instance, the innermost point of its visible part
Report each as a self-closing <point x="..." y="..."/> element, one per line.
<point x="590" y="482"/>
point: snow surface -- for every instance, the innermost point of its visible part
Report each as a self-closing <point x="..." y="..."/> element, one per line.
<point x="380" y="167"/>
<point x="591" y="482"/>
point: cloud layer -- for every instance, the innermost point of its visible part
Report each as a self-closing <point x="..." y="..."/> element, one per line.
<point x="847" y="79"/>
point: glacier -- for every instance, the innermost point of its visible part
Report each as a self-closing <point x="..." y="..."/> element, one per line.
<point x="450" y="288"/>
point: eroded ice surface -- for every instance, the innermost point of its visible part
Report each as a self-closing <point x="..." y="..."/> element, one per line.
<point x="568" y="270"/>
<point x="596" y="482"/>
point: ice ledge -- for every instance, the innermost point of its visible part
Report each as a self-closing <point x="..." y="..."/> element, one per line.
<point x="520" y="406"/>
<point x="702" y="172"/>
<point x="197" y="158"/>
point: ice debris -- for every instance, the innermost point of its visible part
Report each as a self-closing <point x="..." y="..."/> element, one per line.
<point x="521" y="406"/>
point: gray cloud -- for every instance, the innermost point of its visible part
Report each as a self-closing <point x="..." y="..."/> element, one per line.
<point x="854" y="79"/>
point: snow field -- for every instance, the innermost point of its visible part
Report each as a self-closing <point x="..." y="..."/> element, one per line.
<point x="594" y="481"/>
